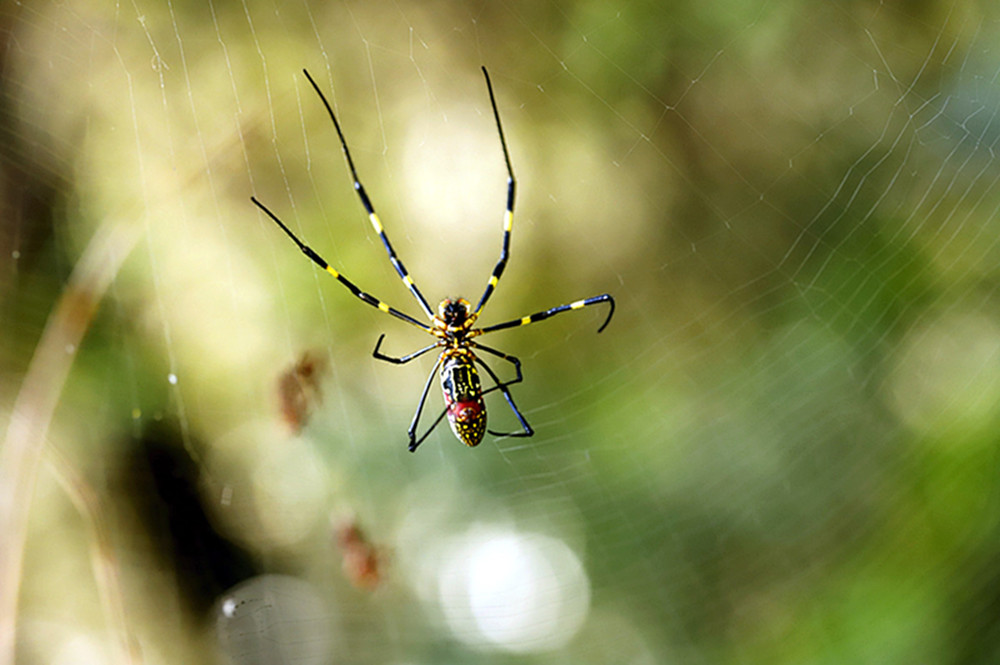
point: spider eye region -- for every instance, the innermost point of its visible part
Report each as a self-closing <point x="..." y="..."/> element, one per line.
<point x="454" y="312"/>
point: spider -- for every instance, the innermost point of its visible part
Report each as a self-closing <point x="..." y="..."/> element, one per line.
<point x="452" y="326"/>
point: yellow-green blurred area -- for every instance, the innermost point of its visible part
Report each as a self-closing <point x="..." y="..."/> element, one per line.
<point x="782" y="449"/>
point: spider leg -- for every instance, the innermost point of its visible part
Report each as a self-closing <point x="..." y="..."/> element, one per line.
<point x="437" y="421"/>
<point x="502" y="387"/>
<point x="508" y="218"/>
<point x="541" y="316"/>
<point x="370" y="209"/>
<point x="420" y="407"/>
<point x="499" y="354"/>
<point x="405" y="359"/>
<point x="318" y="260"/>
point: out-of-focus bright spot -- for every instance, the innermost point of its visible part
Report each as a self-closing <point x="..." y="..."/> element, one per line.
<point x="947" y="374"/>
<point x="172" y="378"/>
<point x="80" y="650"/>
<point x="289" y="487"/>
<point x="226" y="497"/>
<point x="419" y="548"/>
<point x="275" y="619"/>
<point x="456" y="184"/>
<point x="210" y="295"/>
<point x="229" y="608"/>
<point x="136" y="413"/>
<point x="264" y="491"/>
<point x="513" y="591"/>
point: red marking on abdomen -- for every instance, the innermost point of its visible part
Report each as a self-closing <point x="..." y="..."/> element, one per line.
<point x="464" y="411"/>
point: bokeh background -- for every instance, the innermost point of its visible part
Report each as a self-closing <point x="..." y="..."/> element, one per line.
<point x="783" y="449"/>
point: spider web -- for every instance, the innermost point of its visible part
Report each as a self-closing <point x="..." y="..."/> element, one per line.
<point x="781" y="449"/>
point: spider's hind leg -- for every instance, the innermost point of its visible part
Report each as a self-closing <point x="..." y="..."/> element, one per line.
<point x="411" y="432"/>
<point x="509" y="358"/>
<point x="502" y="387"/>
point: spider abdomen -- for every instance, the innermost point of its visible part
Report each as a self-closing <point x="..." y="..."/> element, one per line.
<point x="463" y="397"/>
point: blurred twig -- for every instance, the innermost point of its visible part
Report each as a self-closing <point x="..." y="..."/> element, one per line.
<point x="37" y="400"/>
<point x="102" y="554"/>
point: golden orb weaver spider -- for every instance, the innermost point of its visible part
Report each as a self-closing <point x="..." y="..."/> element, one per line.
<point x="452" y="325"/>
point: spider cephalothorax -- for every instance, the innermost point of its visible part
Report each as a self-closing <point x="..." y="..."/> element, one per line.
<point x="460" y="384"/>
